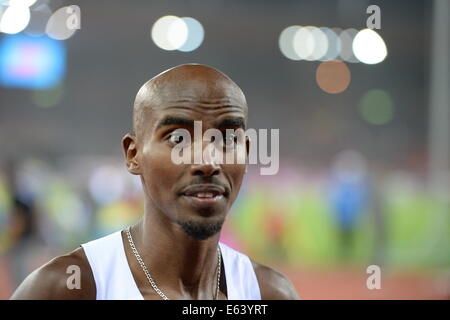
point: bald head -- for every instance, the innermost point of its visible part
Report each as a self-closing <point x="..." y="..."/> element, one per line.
<point x="187" y="83"/>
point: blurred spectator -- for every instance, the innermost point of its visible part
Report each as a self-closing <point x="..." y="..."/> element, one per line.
<point x="349" y="198"/>
<point x="27" y="250"/>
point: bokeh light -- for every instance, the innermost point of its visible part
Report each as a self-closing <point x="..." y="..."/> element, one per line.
<point x="175" y="33"/>
<point x="195" y="35"/>
<point x="320" y="43"/>
<point x="334" y="45"/>
<point x="377" y="107"/>
<point x="15" y="19"/>
<point x="286" y="42"/>
<point x="369" y="47"/>
<point x="346" y="38"/>
<point x="333" y="76"/>
<point x="323" y="44"/>
<point x="304" y="43"/>
<point x="159" y="32"/>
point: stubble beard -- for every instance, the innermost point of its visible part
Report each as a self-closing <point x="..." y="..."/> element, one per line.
<point x="201" y="230"/>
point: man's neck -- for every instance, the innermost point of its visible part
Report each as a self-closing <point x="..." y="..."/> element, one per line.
<point x="175" y="259"/>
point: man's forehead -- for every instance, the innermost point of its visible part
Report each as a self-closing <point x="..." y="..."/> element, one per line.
<point x="190" y="82"/>
<point x="193" y="91"/>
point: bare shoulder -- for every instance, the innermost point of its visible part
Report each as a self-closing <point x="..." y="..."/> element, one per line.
<point x="273" y="284"/>
<point x="67" y="276"/>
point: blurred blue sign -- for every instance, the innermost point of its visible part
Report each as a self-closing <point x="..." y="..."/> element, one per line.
<point x="31" y="62"/>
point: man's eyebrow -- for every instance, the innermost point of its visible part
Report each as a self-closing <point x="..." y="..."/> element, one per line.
<point x="231" y="122"/>
<point x="171" y="120"/>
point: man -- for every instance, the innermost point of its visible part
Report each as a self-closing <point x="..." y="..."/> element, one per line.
<point x="173" y="252"/>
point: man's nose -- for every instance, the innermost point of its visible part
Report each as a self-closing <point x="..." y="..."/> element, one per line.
<point x="209" y="165"/>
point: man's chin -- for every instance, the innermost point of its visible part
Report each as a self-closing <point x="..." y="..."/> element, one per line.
<point x="201" y="230"/>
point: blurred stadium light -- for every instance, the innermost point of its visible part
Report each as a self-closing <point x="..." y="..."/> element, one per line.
<point x="322" y="44"/>
<point x="33" y="63"/>
<point x="175" y="33"/>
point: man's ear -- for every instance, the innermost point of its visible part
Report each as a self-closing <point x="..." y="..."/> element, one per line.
<point x="131" y="152"/>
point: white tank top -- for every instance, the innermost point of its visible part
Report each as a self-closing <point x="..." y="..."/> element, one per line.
<point x="114" y="280"/>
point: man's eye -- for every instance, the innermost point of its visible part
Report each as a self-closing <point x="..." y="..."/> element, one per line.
<point x="176" y="138"/>
<point x="230" y="139"/>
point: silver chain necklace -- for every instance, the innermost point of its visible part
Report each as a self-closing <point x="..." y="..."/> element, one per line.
<point x="149" y="277"/>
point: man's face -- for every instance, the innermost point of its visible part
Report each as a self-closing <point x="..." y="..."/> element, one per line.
<point x="195" y="196"/>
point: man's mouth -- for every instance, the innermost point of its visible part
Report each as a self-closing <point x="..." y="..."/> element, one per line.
<point x="205" y="198"/>
<point x="204" y="194"/>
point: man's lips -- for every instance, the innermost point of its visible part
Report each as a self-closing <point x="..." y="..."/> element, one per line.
<point x="194" y="190"/>
<point x="200" y="200"/>
<point x="205" y="193"/>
